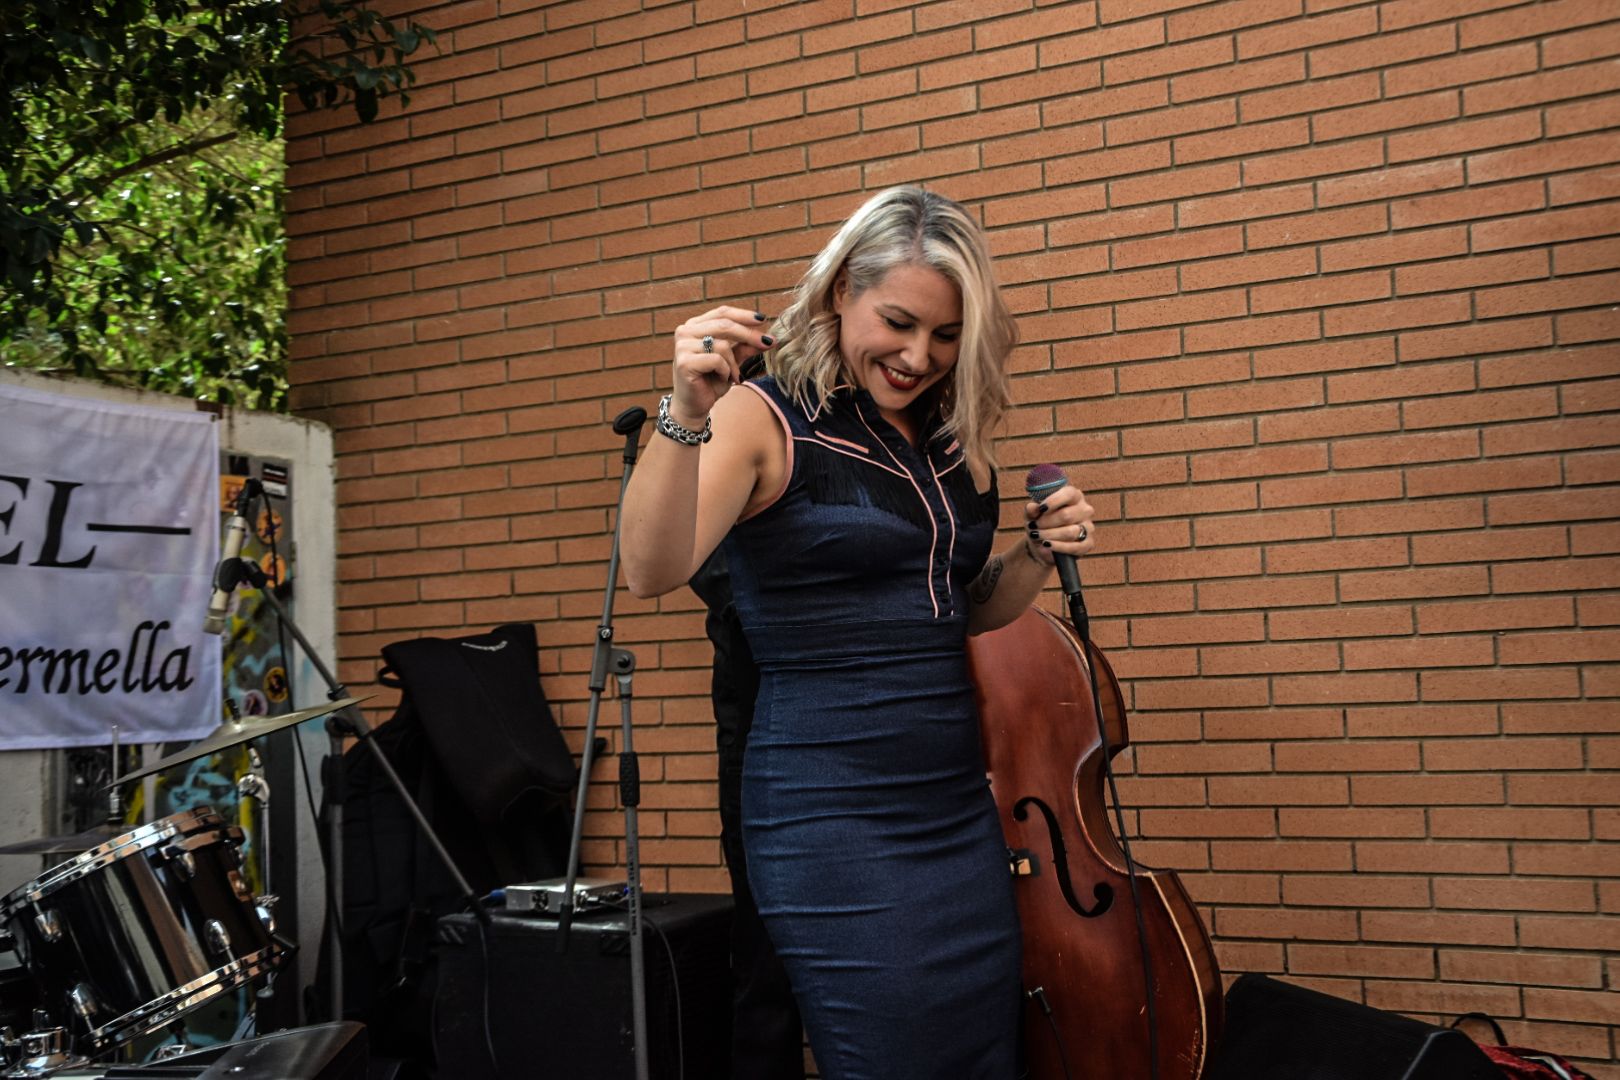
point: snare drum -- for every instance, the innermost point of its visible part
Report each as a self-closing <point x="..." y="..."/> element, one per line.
<point x="127" y="936"/>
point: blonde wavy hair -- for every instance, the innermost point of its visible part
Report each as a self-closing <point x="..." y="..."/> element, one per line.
<point x="905" y="226"/>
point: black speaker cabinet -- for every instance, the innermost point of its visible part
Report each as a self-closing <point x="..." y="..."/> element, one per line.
<point x="1278" y="1031"/>
<point x="567" y="1014"/>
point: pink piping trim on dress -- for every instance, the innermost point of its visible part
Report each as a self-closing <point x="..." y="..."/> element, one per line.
<point x="843" y="442"/>
<point x="787" y="477"/>
<point x="950" y="551"/>
<point x="846" y="453"/>
<point x="813" y="414"/>
<point x="934" y="542"/>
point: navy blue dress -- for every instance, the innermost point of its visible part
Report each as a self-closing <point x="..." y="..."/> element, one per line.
<point x="874" y="849"/>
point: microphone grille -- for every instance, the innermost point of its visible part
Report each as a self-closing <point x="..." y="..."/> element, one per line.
<point x="1044" y="478"/>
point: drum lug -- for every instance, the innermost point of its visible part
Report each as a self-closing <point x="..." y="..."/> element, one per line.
<point x="266" y="910"/>
<point x="177" y="854"/>
<point x="239" y="886"/>
<point x="218" y="939"/>
<point x="83" y="1000"/>
<point x="49" y="924"/>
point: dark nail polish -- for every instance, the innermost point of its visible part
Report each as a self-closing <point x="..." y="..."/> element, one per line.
<point x="759" y="317"/>
<point x="1041" y="509"/>
<point x="767" y="339"/>
<point x="1046" y="543"/>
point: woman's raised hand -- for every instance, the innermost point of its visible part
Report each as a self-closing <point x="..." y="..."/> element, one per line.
<point x="710" y="351"/>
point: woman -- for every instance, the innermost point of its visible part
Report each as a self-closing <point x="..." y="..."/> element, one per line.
<point x="853" y="487"/>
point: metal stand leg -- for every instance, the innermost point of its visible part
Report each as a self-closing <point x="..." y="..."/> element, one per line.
<point x="630" y="795"/>
<point x="333" y="783"/>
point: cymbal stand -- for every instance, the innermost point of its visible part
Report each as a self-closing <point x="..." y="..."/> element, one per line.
<point x="253" y="785"/>
<point x="622" y="663"/>
<point x="115" y="798"/>
<point x="344" y="724"/>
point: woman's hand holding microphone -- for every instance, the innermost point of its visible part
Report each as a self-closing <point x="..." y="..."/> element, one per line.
<point x="1062" y="522"/>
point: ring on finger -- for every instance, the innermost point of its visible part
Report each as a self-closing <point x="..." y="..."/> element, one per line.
<point x="708" y="343"/>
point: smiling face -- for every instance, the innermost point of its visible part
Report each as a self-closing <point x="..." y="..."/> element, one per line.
<point x="899" y="337"/>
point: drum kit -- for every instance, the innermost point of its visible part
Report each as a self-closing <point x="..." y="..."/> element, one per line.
<point x="140" y="926"/>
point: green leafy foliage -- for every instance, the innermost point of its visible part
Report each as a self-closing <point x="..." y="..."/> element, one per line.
<point x="141" y="179"/>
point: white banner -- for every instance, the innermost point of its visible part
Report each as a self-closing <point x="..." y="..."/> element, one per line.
<point x="109" y="531"/>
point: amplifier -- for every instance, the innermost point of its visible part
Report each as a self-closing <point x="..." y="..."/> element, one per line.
<point x="554" y="1014"/>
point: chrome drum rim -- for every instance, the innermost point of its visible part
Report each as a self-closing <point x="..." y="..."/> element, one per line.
<point x="171" y="1006"/>
<point x="120" y="847"/>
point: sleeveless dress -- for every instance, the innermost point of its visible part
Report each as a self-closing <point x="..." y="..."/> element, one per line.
<point x="873" y="845"/>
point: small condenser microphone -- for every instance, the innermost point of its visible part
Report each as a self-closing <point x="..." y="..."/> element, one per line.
<point x="235" y="534"/>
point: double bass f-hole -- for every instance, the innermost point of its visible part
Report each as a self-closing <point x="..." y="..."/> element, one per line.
<point x="1103" y="891"/>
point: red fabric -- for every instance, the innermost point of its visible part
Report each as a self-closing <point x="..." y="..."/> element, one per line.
<point x="1523" y="1063"/>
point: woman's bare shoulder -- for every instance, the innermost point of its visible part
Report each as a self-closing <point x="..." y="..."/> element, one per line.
<point x="750" y="440"/>
<point x="746" y="417"/>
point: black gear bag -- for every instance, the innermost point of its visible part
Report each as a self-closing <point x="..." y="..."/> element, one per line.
<point x="474" y="741"/>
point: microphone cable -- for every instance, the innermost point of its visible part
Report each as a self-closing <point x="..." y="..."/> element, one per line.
<point x="1039" y="996"/>
<point x="674" y="985"/>
<point x="489" y="1035"/>
<point x="1041" y="480"/>
<point x="1150" y="984"/>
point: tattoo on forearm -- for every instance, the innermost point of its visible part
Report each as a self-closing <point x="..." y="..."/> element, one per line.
<point x="985" y="583"/>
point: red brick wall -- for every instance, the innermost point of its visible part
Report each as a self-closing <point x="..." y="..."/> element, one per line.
<point x="1318" y="300"/>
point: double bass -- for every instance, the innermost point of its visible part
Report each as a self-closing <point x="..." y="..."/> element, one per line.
<point x="1087" y="1012"/>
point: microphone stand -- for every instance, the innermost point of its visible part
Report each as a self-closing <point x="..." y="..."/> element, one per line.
<point x="343" y="724"/>
<point x="254" y="786"/>
<point x="622" y="663"/>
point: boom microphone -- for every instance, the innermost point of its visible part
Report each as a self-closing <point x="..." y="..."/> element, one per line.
<point x="235" y="533"/>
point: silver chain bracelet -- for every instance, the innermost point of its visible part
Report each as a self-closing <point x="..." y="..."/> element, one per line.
<point x="666" y="425"/>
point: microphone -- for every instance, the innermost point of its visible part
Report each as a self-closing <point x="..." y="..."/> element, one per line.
<point x="1041" y="481"/>
<point x="235" y="533"/>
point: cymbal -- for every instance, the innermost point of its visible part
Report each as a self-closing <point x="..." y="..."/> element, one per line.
<point x="233" y="732"/>
<point x="66" y="844"/>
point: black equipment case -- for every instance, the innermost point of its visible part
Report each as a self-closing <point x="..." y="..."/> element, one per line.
<point x="568" y="1014"/>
